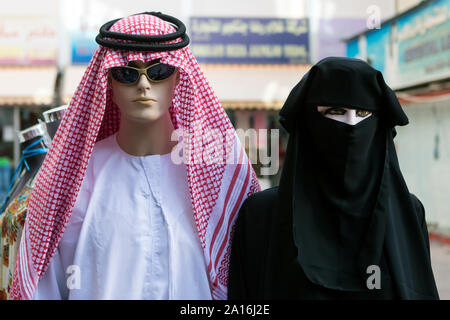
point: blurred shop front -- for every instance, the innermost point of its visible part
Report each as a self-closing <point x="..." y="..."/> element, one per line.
<point x="412" y="50"/>
<point x="28" y="71"/>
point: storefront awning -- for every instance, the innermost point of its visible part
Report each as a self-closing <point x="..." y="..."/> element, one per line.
<point x="252" y="105"/>
<point x="426" y="97"/>
<point x="27" y="86"/>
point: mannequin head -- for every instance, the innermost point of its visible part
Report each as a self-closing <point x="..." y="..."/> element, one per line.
<point x="144" y="101"/>
<point x="346" y="115"/>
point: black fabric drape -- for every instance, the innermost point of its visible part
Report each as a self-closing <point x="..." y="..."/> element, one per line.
<point x="342" y="204"/>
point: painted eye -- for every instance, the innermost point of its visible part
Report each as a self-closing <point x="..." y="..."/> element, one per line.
<point x="363" y="113"/>
<point x="336" y="111"/>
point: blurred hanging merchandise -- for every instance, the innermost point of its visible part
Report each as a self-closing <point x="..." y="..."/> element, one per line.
<point x="5" y="176"/>
<point x="12" y="219"/>
<point x="33" y="153"/>
<point x="35" y="142"/>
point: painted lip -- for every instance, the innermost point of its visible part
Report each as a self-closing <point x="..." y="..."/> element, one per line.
<point x="145" y="100"/>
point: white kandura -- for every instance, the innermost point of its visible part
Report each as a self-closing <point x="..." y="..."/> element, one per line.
<point x="132" y="233"/>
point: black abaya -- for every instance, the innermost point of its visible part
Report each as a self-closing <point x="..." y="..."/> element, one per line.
<point x="264" y="262"/>
<point x="342" y="205"/>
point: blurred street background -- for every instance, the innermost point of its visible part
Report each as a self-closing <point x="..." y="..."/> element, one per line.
<point x="253" y="52"/>
<point x="440" y="260"/>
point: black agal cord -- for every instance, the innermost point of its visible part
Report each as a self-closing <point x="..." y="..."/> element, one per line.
<point x="144" y="42"/>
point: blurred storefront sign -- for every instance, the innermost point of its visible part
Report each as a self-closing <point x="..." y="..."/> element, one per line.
<point x="28" y="40"/>
<point x="28" y="58"/>
<point x="226" y="41"/>
<point x="378" y="47"/>
<point x="423" y="42"/>
<point x="410" y="49"/>
<point x="218" y="40"/>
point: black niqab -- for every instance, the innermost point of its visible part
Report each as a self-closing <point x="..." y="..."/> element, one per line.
<point x="342" y="187"/>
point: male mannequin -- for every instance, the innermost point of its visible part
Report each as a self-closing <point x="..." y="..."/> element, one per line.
<point x="137" y="225"/>
<point x="342" y="209"/>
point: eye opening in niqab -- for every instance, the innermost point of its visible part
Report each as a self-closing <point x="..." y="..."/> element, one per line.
<point x="341" y="111"/>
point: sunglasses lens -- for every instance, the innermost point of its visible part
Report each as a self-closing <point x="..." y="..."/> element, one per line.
<point x="160" y="72"/>
<point x="124" y="75"/>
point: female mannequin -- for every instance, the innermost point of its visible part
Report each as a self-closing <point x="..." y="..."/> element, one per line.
<point x="342" y="208"/>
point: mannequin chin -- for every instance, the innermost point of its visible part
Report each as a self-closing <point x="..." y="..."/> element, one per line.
<point x="346" y="115"/>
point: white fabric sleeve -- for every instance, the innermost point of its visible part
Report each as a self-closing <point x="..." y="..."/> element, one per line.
<point x="53" y="284"/>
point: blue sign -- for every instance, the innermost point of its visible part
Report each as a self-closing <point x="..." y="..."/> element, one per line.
<point x="353" y="49"/>
<point x="250" y="40"/>
<point x="377" y="46"/>
<point x="424" y="43"/>
<point x="83" y="46"/>
<point x="416" y="51"/>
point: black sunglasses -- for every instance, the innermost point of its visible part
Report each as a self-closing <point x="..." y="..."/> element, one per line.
<point x="129" y="75"/>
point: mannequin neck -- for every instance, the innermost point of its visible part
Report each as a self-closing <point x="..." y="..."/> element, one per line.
<point x="146" y="138"/>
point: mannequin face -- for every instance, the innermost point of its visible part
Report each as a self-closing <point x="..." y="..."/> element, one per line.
<point x="144" y="101"/>
<point x="346" y="115"/>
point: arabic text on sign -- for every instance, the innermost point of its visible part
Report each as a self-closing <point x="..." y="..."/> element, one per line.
<point x="265" y="50"/>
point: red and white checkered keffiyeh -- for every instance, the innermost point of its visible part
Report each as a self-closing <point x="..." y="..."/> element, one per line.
<point x="92" y="116"/>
